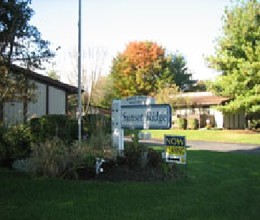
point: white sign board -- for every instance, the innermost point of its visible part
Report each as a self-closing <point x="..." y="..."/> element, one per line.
<point x="154" y="116"/>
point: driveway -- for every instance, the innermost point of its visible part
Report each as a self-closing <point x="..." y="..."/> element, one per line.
<point x="215" y="146"/>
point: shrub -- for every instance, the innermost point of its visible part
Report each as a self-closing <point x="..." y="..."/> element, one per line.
<point x="192" y="123"/>
<point x="50" y="126"/>
<point x="132" y="155"/>
<point x="15" y="143"/>
<point x="94" y="123"/>
<point x="255" y="124"/>
<point x="56" y="158"/>
<point x="181" y="123"/>
<point x="133" y="151"/>
<point x="50" y="158"/>
<point x="154" y="158"/>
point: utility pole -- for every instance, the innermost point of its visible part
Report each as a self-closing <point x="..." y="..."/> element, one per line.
<point x="79" y="75"/>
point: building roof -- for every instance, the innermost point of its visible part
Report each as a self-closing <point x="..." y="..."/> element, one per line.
<point x="202" y="99"/>
<point x="45" y="79"/>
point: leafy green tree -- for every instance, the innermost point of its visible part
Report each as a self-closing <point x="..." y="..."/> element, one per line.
<point x="144" y="68"/>
<point x="238" y="58"/>
<point x="177" y="71"/>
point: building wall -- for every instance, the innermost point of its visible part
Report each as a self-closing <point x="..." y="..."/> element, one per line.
<point x="38" y="108"/>
<point x="231" y="121"/>
<point x="234" y="121"/>
<point x="13" y="113"/>
<point x="57" y="101"/>
<point x="219" y="118"/>
<point x="50" y="100"/>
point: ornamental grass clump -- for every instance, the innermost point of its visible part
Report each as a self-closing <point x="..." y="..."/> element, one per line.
<point x="50" y="158"/>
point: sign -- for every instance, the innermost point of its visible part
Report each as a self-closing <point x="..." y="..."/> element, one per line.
<point x="175" y="150"/>
<point x="138" y="100"/>
<point x="154" y="116"/>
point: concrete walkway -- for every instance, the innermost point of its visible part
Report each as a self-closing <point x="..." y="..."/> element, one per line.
<point x="214" y="146"/>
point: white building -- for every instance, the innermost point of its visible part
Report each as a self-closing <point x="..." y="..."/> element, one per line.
<point x="202" y="105"/>
<point x="52" y="98"/>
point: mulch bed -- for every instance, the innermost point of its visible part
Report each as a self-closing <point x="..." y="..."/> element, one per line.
<point x="120" y="173"/>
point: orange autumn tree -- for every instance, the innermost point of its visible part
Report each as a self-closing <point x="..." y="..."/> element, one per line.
<point x="137" y="71"/>
<point x="144" y="68"/>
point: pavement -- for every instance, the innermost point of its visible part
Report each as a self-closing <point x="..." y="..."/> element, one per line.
<point x="214" y="146"/>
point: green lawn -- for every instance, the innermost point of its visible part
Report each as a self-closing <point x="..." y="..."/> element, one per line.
<point x="231" y="136"/>
<point x="218" y="186"/>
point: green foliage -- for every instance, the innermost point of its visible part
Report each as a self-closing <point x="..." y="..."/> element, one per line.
<point x="154" y="158"/>
<point x="132" y="155"/>
<point x="192" y="123"/>
<point x="52" y="157"/>
<point x="176" y="71"/>
<point x="181" y="123"/>
<point x="50" y="126"/>
<point x="238" y="58"/>
<point x="255" y="124"/>
<point x="133" y="151"/>
<point x="58" y="158"/>
<point x="94" y="123"/>
<point x="102" y="94"/>
<point x="15" y="143"/>
<point x="218" y="186"/>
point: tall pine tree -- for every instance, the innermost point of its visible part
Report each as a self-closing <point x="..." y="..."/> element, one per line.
<point x="237" y="57"/>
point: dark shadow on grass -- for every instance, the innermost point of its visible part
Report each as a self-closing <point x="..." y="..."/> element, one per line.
<point x="255" y="150"/>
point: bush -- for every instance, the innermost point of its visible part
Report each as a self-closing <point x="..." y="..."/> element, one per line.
<point x="50" y="158"/>
<point x="15" y="143"/>
<point x="133" y="151"/>
<point x="94" y="123"/>
<point x="50" y="126"/>
<point x="192" y="123"/>
<point x="181" y="123"/>
<point x="56" y="158"/>
<point x="255" y="124"/>
<point x="154" y="158"/>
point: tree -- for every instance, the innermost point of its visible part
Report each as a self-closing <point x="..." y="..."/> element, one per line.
<point x="92" y="69"/>
<point x="171" y="95"/>
<point x="20" y="43"/>
<point x="177" y="71"/>
<point x="238" y="58"/>
<point x="103" y="92"/>
<point x="53" y="74"/>
<point x="143" y="68"/>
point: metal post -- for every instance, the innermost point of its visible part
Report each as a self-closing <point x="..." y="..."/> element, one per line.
<point x="79" y="75"/>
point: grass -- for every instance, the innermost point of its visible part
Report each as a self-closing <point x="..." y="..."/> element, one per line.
<point x="231" y="136"/>
<point x="218" y="186"/>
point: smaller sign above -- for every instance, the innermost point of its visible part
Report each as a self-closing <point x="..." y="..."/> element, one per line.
<point x="138" y="100"/>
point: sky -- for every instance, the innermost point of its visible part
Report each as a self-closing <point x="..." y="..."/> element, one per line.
<point x="188" y="27"/>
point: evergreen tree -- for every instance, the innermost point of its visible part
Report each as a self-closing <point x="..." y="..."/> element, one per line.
<point x="238" y="58"/>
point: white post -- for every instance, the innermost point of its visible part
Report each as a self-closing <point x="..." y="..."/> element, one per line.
<point x="117" y="131"/>
<point x="79" y="75"/>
